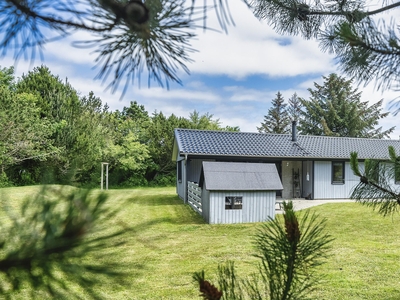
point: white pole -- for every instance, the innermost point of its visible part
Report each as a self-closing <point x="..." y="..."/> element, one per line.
<point x="101" y="184"/>
<point x="107" y="176"/>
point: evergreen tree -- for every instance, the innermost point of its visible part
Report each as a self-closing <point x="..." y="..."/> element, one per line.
<point x="153" y="36"/>
<point x="377" y="187"/>
<point x="289" y="248"/>
<point x="365" y="47"/>
<point x="277" y="120"/>
<point x="294" y="108"/>
<point x="336" y="109"/>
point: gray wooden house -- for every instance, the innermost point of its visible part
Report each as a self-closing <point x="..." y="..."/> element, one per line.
<point x="312" y="167"/>
<point x="238" y="192"/>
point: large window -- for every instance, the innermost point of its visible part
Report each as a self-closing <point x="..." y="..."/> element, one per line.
<point x="397" y="172"/>
<point x="338" y="172"/>
<point x="233" y="202"/>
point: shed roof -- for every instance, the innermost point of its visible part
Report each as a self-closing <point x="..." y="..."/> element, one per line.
<point x="263" y="145"/>
<point x="240" y="176"/>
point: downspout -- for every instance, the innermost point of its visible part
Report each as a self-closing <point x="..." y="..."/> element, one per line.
<point x="294" y="131"/>
<point x="313" y="180"/>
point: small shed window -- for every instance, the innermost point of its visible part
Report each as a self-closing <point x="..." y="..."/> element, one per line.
<point x="338" y="172"/>
<point x="233" y="202"/>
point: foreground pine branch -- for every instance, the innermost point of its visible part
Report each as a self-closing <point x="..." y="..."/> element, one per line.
<point x="289" y="249"/>
<point x="44" y="243"/>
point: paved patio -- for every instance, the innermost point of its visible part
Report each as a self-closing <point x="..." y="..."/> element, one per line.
<point x="300" y="204"/>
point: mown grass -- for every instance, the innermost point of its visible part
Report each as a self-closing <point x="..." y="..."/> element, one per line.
<point x="165" y="242"/>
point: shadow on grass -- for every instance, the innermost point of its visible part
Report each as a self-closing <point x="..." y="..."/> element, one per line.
<point x="158" y="200"/>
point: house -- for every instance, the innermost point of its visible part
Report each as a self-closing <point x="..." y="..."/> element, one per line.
<point x="312" y="167"/>
<point x="233" y="192"/>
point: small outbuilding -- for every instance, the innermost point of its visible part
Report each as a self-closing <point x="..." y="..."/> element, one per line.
<point x="233" y="192"/>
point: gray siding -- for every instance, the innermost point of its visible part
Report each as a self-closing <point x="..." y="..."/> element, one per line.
<point x="323" y="187"/>
<point x="257" y="207"/>
<point x="205" y="204"/>
<point x="194" y="170"/>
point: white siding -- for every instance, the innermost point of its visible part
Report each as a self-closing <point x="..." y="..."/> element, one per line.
<point x="390" y="176"/>
<point x="323" y="187"/>
<point x="257" y="207"/>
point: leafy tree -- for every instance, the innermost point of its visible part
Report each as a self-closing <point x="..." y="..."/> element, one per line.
<point x="277" y="120"/>
<point x="161" y="143"/>
<point x="7" y="78"/>
<point x="289" y="248"/>
<point x="56" y="97"/>
<point x="231" y="128"/>
<point x="336" y="109"/>
<point x="24" y="135"/>
<point x="138" y="119"/>
<point x="205" y="121"/>
<point x="129" y="161"/>
<point x="79" y="131"/>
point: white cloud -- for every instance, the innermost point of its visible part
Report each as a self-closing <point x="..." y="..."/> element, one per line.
<point x="179" y="93"/>
<point x="252" y="47"/>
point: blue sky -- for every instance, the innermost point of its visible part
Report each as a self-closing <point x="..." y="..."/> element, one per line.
<point x="234" y="76"/>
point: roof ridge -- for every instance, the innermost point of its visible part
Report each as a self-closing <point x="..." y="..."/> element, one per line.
<point x="285" y="134"/>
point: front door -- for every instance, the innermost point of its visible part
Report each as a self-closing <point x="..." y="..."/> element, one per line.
<point x="279" y="169"/>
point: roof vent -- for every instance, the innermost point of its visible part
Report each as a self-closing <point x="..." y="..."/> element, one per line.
<point x="294" y="131"/>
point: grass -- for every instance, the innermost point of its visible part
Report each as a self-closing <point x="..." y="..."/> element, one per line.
<point x="165" y="242"/>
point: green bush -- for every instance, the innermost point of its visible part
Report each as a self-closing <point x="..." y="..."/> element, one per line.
<point x="4" y="181"/>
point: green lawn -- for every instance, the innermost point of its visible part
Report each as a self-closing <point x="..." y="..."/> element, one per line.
<point x="165" y="242"/>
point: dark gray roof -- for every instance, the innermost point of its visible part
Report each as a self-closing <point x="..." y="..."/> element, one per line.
<point x="223" y="143"/>
<point x="240" y="176"/>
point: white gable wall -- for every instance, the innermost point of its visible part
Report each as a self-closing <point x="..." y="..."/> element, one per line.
<point x="257" y="207"/>
<point x="323" y="187"/>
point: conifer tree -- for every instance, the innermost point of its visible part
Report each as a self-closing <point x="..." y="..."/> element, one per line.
<point x="294" y="108"/>
<point x="378" y="183"/>
<point x="336" y="109"/>
<point x="153" y="36"/>
<point x="277" y="120"/>
<point x="289" y="249"/>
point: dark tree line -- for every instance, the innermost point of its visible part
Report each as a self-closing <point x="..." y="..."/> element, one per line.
<point x="51" y="134"/>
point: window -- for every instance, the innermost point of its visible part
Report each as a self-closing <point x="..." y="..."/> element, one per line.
<point x="338" y="172"/>
<point x="233" y="202"/>
<point x="397" y="172"/>
<point x="180" y="171"/>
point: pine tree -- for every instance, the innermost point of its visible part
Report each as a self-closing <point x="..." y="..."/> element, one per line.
<point x="365" y="47"/>
<point x="277" y="120"/>
<point x="153" y="36"/>
<point x="376" y="188"/>
<point x="336" y="109"/>
<point x="294" y="108"/>
<point x="289" y="249"/>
